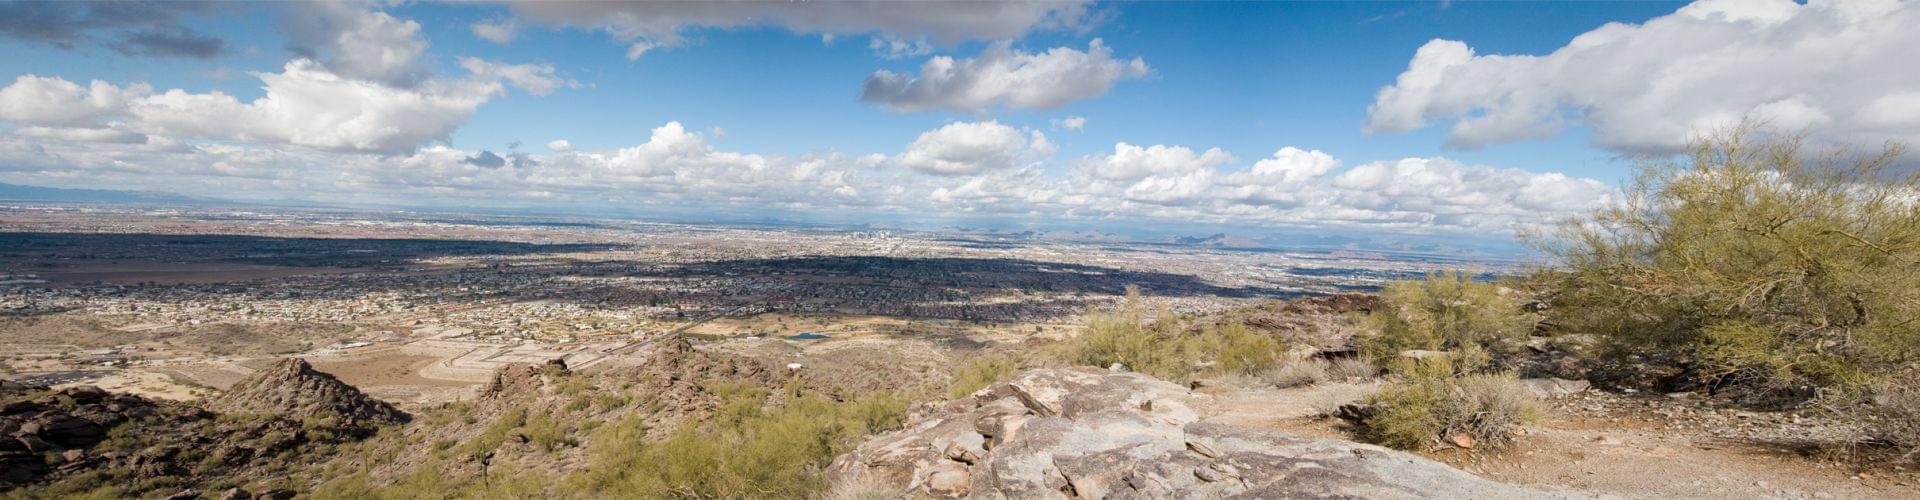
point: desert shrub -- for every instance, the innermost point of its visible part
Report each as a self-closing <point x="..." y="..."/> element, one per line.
<point x="1165" y="347"/>
<point x="980" y="373"/>
<point x="495" y="435"/>
<point x="1297" y="373"/>
<point x="1489" y="407"/>
<point x="1893" y="414"/>
<point x="751" y="450"/>
<point x="542" y="431"/>
<point x="1446" y="312"/>
<point x="1757" y="261"/>
<point x="1351" y="368"/>
<point x="611" y="400"/>
<point x="1432" y="402"/>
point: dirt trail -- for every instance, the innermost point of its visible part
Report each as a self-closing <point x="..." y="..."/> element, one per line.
<point x="1623" y="452"/>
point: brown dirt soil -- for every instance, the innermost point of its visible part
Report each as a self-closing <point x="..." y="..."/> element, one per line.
<point x="225" y="339"/>
<point x="150" y="384"/>
<point x="79" y="331"/>
<point x="383" y="369"/>
<point x="1626" y="447"/>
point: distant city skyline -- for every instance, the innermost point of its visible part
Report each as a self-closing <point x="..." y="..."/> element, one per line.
<point x="1448" y="120"/>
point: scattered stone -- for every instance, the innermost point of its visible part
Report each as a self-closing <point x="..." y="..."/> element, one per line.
<point x="1461" y="440"/>
<point x="1554" y="388"/>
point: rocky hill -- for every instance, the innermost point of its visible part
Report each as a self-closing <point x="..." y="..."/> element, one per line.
<point x="292" y="388"/>
<point x="84" y="441"/>
<point x="41" y="432"/>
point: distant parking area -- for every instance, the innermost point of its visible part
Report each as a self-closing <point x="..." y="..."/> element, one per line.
<point x="57" y="378"/>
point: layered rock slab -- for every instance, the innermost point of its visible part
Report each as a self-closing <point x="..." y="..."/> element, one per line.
<point x="1090" y="433"/>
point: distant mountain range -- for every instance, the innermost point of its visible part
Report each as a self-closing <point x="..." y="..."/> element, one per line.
<point x="1216" y="240"/>
<point x="16" y="192"/>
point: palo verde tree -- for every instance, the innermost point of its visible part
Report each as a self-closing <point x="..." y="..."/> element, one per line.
<point x="1755" y="259"/>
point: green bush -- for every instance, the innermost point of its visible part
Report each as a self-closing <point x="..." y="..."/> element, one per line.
<point x="749" y="450"/>
<point x="980" y="373"/>
<point x="1446" y="312"/>
<point x="1351" y="368"/>
<point x="1894" y="412"/>
<point x="1297" y="373"/>
<point x="1431" y="402"/>
<point x="1754" y="261"/>
<point x="1166" y="347"/>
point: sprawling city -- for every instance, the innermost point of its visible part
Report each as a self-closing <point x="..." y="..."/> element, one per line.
<point x="420" y="309"/>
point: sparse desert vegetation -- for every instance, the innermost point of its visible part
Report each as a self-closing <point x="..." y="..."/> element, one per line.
<point x="1433" y="403"/>
<point x="1165" y="347"/>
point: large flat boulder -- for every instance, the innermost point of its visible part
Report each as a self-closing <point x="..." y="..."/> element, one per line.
<point x="1090" y="433"/>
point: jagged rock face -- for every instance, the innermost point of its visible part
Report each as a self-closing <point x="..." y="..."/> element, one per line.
<point x="59" y="424"/>
<point x="1083" y="432"/>
<point x="294" y="389"/>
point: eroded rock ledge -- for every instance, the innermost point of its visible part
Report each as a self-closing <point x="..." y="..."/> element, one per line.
<point x="1090" y="433"/>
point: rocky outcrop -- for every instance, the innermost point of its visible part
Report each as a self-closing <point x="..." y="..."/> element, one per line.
<point x="1083" y="432"/>
<point x="52" y="431"/>
<point x="292" y="388"/>
<point x="160" y="447"/>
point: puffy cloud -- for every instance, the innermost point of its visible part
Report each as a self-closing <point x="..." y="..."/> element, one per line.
<point x="496" y="31"/>
<point x="305" y="105"/>
<point x="536" y="79"/>
<point x="1070" y="124"/>
<point x="367" y="92"/>
<point x="1839" y="70"/>
<point x="54" y="101"/>
<point x="1003" y="77"/>
<point x="1130" y="163"/>
<point x="900" y="27"/>
<point x="967" y="148"/>
<point x="357" y="43"/>
<point x="1291" y="164"/>
<point x="559" y="145"/>
<point x="131" y="28"/>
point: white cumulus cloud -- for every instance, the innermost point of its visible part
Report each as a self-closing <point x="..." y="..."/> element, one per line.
<point x="1003" y="77"/>
<point x="967" y="148"/>
<point x="1842" y="71"/>
<point x="53" y="101"/>
<point x="355" y="42"/>
<point x="536" y="79"/>
<point x="496" y="31"/>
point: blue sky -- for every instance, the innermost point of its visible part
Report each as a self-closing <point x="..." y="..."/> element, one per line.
<point x="749" y="107"/>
